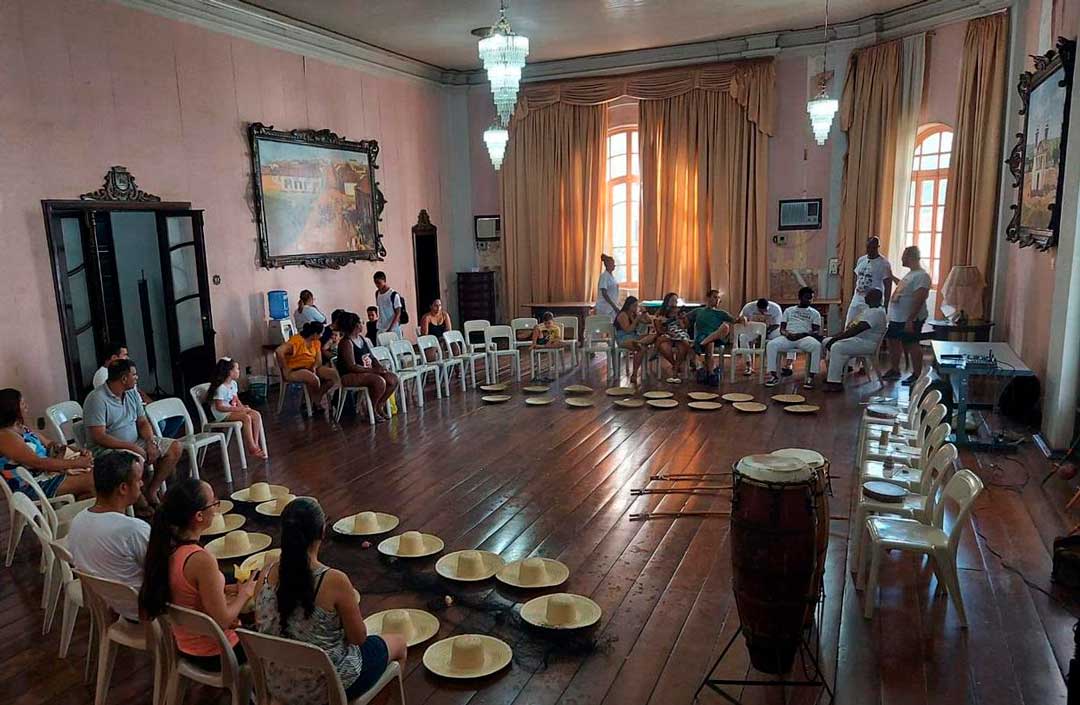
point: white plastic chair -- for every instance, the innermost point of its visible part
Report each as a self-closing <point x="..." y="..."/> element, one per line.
<point x="192" y="442"/>
<point x="66" y="582"/>
<point x="39" y="525"/>
<point x="17" y="522"/>
<point x="554" y="356"/>
<point x="267" y="652"/>
<point x="598" y="337"/>
<point x="60" y="417"/>
<point x="475" y="326"/>
<point x="493" y="334"/>
<point x="408" y="359"/>
<point x="232" y="677"/>
<point x="386" y="338"/>
<point x="570" y="333"/>
<point x="900" y="447"/>
<point x="230" y="428"/>
<point x="105" y="600"/>
<point x="910" y="476"/>
<point x="363" y="396"/>
<point x="454" y="337"/>
<point x="520" y="324"/>
<point x="918" y="406"/>
<point x="59" y="518"/>
<point x="918" y="504"/>
<point x="444" y="364"/>
<point x="893" y="533"/>
<point x="386" y="359"/>
<point x="742" y="337"/>
<point x="283" y="390"/>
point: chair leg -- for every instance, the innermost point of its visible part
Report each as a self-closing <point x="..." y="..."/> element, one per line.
<point x="193" y="466"/>
<point x="175" y="686"/>
<point x="870" y="594"/>
<point x="340" y="406"/>
<point x="91" y="639"/>
<point x="370" y="408"/>
<point x="262" y="441"/>
<point x="860" y="532"/>
<point x="225" y="460"/>
<point x="106" y="661"/>
<point x="239" y="446"/>
<point x="948" y="567"/>
<point x="307" y="402"/>
<point x="67" y="626"/>
<point x="54" y="589"/>
<point x="403" y="407"/>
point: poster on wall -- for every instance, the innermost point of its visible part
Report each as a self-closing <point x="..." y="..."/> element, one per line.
<point x="317" y="200"/>
<point x="1037" y="161"/>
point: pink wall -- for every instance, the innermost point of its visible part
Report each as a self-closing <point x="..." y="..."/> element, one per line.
<point x="485" y="180"/>
<point x="88" y="84"/>
<point x="942" y="78"/>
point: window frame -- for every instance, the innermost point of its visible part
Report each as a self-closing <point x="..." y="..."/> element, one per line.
<point x="919" y="177"/>
<point x="629" y="255"/>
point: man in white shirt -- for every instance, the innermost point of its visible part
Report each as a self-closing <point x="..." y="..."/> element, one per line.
<point x="389" y="304"/>
<point x="861" y="337"/>
<point x="907" y="314"/>
<point x="799" y="330"/>
<point x="103" y="540"/>
<point x="607" y="291"/>
<point x="872" y="271"/>
<point x="769" y="313"/>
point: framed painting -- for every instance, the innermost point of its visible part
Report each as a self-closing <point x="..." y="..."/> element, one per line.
<point x="317" y="200"/>
<point x="1037" y="162"/>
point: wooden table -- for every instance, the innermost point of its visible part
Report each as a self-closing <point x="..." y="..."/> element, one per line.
<point x="950" y="360"/>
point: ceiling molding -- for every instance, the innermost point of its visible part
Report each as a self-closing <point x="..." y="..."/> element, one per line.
<point x="239" y="19"/>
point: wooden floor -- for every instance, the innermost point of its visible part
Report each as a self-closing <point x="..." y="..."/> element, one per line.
<point x="555" y="482"/>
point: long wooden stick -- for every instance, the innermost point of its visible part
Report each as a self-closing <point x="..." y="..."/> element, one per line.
<point x="681" y="477"/>
<point x="675" y="515"/>
<point x="678" y="490"/>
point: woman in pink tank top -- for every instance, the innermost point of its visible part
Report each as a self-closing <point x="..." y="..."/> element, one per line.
<point x="180" y="571"/>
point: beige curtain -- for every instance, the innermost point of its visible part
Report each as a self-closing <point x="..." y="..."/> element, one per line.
<point x="554" y="204"/>
<point x="869" y="114"/>
<point x="912" y="71"/>
<point x="703" y="177"/>
<point x="971" y="207"/>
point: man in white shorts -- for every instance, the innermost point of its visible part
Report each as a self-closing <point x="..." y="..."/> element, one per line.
<point x="861" y="337"/>
<point x="799" y="331"/>
<point x="115" y="419"/>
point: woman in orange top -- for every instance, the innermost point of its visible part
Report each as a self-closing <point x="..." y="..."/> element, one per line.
<point x="300" y="358"/>
<point x="180" y="571"/>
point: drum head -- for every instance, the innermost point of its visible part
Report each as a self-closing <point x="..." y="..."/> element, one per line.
<point x="884" y="492"/>
<point x="777" y="469"/>
<point x="811" y="457"/>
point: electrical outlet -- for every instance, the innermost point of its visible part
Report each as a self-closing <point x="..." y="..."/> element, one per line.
<point x="779" y="239"/>
<point x="834" y="266"/>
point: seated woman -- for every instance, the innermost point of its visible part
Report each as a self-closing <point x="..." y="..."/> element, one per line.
<point x="633" y="331"/>
<point x="20" y="445"/>
<point x="307" y="311"/>
<point x="358" y="367"/>
<point x="224" y="401"/>
<point x="180" y="571"/>
<point x="436" y="322"/>
<point x="302" y="599"/>
<point x="671" y="330"/>
<point x="300" y="358"/>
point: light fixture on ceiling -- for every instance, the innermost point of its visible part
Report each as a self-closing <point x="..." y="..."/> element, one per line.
<point x="821" y="107"/>
<point x="503" y="54"/>
<point x="496" y="137"/>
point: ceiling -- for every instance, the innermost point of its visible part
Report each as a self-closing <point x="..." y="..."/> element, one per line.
<point x="437" y="31"/>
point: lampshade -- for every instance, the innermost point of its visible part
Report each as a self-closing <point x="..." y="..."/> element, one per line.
<point x="496" y="137"/>
<point x="962" y="293"/>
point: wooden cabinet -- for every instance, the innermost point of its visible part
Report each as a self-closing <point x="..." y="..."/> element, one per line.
<point x="476" y="297"/>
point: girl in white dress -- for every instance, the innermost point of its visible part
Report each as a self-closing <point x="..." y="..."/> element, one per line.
<point x="225" y="405"/>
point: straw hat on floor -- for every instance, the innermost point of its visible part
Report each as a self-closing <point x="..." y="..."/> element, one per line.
<point x="366" y="524"/>
<point x="534" y="573"/>
<point x="417" y="626"/>
<point x="469" y="566"/>
<point x="411" y="544"/>
<point x="562" y="610"/>
<point x="467" y="656"/>
<point x="259" y="492"/>
<point x="224" y="523"/>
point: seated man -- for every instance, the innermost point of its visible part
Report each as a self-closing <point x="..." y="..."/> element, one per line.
<point x="170" y="427"/>
<point x="799" y="330"/>
<point x="712" y="324"/>
<point x="769" y="313"/>
<point x="115" y="419"/>
<point x="103" y="540"/>
<point x="862" y="337"/>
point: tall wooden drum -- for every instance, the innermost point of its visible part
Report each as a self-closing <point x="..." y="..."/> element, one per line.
<point x="774" y="526"/>
<point x="819" y="464"/>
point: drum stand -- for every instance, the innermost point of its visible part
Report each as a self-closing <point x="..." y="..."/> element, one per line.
<point x="808" y="658"/>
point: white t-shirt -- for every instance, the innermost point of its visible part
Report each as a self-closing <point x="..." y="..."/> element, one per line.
<point x="226" y="393"/>
<point x="772" y="317"/>
<point x="100" y="377"/>
<point x="876" y="319"/>
<point x="386" y="303"/>
<point x="903" y="299"/>
<point x="609" y="285"/>
<point x="307" y="315"/>
<point x="871" y="274"/>
<point x="801" y="320"/>
<point x="110" y="545"/>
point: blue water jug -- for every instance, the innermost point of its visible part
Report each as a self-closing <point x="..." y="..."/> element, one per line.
<point x="279" y="304"/>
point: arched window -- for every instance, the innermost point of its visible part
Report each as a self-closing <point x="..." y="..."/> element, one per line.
<point x="624" y="197"/>
<point x="927" y="194"/>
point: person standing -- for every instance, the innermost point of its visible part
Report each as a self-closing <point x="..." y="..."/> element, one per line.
<point x="907" y="314"/>
<point x="389" y="304"/>
<point x="861" y="337"/>
<point x="607" y="291"/>
<point x="872" y="271"/>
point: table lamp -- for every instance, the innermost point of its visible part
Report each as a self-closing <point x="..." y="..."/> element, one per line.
<point x="962" y="294"/>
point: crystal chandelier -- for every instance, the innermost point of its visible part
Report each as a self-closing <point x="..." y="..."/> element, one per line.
<point x="496" y="137"/>
<point x="503" y="54"/>
<point x="821" y="107"/>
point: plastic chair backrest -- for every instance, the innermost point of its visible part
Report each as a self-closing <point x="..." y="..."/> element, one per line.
<point x="929" y="422"/>
<point x="57" y="415"/>
<point x="934" y="440"/>
<point x="265" y="652"/>
<point x="63" y="557"/>
<point x="198" y="395"/>
<point x="962" y="489"/>
<point x="387" y="337"/>
<point x="202" y="624"/>
<point x="105" y="596"/>
<point x="430" y="342"/>
<point x="37" y="521"/>
<point x="916" y="409"/>
<point x="494" y="333"/>
<point x="526" y="323"/>
<point x="454" y="337"/>
<point x="44" y="506"/>
<point x="403" y="353"/>
<point x="937" y="468"/>
<point x="569" y="326"/>
<point x="385" y="357"/>
<point x="598" y="326"/>
<point x="745" y="332"/>
<point x="158" y="411"/>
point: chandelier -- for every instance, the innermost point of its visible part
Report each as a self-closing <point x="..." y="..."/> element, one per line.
<point x="821" y="107"/>
<point x="503" y="54"/>
<point x="496" y="137"/>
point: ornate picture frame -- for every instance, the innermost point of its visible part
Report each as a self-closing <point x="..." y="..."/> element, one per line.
<point x="317" y="198"/>
<point x="1037" y="162"/>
